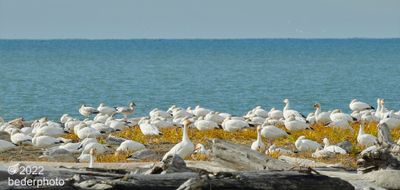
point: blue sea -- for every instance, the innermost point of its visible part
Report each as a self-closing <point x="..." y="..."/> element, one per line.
<point x="52" y="77"/>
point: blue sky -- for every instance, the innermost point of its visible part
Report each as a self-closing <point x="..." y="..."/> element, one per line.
<point x="128" y="19"/>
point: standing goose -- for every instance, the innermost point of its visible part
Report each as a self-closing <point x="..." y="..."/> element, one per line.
<point x="258" y="145"/>
<point x="271" y="132"/>
<point x="287" y="112"/>
<point x="184" y="148"/>
<point x="126" y="111"/>
<point x="364" y="139"/>
<point x="87" y="110"/>
<point x="321" y="117"/>
<point x="356" y="105"/>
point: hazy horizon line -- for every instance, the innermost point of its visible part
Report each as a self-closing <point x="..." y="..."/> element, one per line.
<point x="127" y="39"/>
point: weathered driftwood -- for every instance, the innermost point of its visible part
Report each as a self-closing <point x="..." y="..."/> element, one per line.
<point x="242" y="158"/>
<point x="239" y="180"/>
<point x="384" y="155"/>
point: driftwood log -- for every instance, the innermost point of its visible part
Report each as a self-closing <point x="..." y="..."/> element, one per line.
<point x="242" y="158"/>
<point x="384" y="155"/>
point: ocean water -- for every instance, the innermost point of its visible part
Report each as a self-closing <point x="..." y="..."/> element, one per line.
<point x="49" y="78"/>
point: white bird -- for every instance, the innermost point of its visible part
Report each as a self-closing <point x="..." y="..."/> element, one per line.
<point x="88" y="132"/>
<point x="258" y="111"/>
<point x="184" y="148"/>
<point x="337" y="115"/>
<point x="340" y="124"/>
<point x="271" y="132"/>
<point x="147" y="128"/>
<point x="258" y="145"/>
<point x="201" y="124"/>
<point x="199" y="111"/>
<point x="103" y="109"/>
<point x="356" y="105"/>
<point x="311" y="119"/>
<point x="391" y="122"/>
<point x="292" y="124"/>
<point x="48" y="130"/>
<point x="20" y="138"/>
<point x="275" y="114"/>
<point x="126" y="111"/>
<point x="130" y="146"/>
<point x="305" y="145"/>
<point x="92" y="157"/>
<point x="200" y="149"/>
<point x="287" y="112"/>
<point x="100" y="148"/>
<point x="231" y="125"/>
<point x="333" y="148"/>
<point x="321" y="117"/>
<point x="87" y="110"/>
<point x="363" y="138"/>
<point x="5" y="145"/>
<point x="215" y="117"/>
<point x="274" y="149"/>
<point x="71" y="147"/>
<point x="322" y="153"/>
<point x="44" y="141"/>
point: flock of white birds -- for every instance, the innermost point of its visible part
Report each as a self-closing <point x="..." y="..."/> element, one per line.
<point x="48" y="134"/>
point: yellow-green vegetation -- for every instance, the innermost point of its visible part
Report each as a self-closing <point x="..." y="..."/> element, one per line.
<point x="172" y="136"/>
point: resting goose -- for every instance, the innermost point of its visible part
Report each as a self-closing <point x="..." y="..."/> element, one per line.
<point x="364" y="139"/>
<point x="340" y="124"/>
<point x="202" y="125"/>
<point x="305" y="145"/>
<point x="103" y="109"/>
<point x="130" y="146"/>
<point x="231" y="125"/>
<point x="292" y="124"/>
<point x="184" y="148"/>
<point x="200" y="149"/>
<point x="356" y="105"/>
<point x="275" y="114"/>
<point x="147" y="128"/>
<point x="215" y="117"/>
<point x="333" y="148"/>
<point x="5" y="145"/>
<point x="274" y="149"/>
<point x="44" y="141"/>
<point x="19" y="138"/>
<point x="337" y="115"/>
<point x="258" y="145"/>
<point x="87" y="110"/>
<point x="87" y="132"/>
<point x="199" y="111"/>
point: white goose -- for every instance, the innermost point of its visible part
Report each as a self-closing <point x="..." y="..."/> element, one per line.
<point x="292" y="124"/>
<point x="201" y="149"/>
<point x="337" y="115"/>
<point x="215" y="117"/>
<point x="19" y="138"/>
<point x="258" y="145"/>
<point x="333" y="148"/>
<point x="183" y="148"/>
<point x="202" y="125"/>
<point x="88" y="132"/>
<point x="356" y="105"/>
<point x="275" y="114"/>
<point x="126" y="111"/>
<point x="271" y="132"/>
<point x="340" y="124"/>
<point x="305" y="145"/>
<point x="231" y="124"/>
<point x="5" y="145"/>
<point x="364" y="139"/>
<point x="44" y="141"/>
<point x="321" y="117"/>
<point x="130" y="146"/>
<point x="274" y="149"/>
<point x="199" y="111"/>
<point x="287" y="112"/>
<point x="147" y="128"/>
<point x="87" y="110"/>
<point x="103" y="109"/>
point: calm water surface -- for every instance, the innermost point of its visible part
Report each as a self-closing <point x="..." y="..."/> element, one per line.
<point x="49" y="78"/>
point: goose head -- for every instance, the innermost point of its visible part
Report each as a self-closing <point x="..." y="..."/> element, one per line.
<point x="199" y="147"/>
<point x="132" y="104"/>
<point x="301" y="137"/>
<point x="286" y="101"/>
<point x="317" y="105"/>
<point x="326" y="141"/>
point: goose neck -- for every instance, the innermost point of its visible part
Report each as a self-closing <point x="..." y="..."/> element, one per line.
<point x="185" y="136"/>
